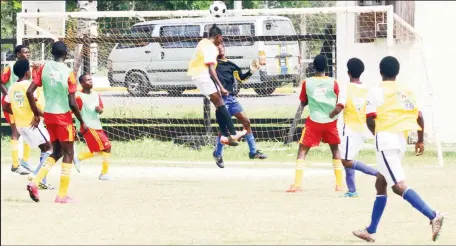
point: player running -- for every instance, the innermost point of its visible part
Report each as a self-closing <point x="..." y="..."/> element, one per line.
<point x="91" y="106"/>
<point x="321" y="94"/>
<point x="17" y="146"/>
<point x="227" y="72"/>
<point x="202" y="68"/>
<point x="354" y="132"/>
<point x="392" y="113"/>
<point x="59" y="84"/>
<point x="17" y="104"/>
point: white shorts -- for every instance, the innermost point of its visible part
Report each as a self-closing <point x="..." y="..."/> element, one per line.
<point x="205" y="85"/>
<point x="390" y="165"/>
<point x="350" y="146"/>
<point x="34" y="136"/>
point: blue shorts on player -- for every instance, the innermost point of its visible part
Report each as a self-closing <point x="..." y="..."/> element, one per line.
<point x="232" y="104"/>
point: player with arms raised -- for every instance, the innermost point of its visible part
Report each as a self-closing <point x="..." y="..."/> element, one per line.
<point x="9" y="78"/>
<point x="392" y="113"/>
<point x="91" y="106"/>
<point x="228" y="72"/>
<point x="202" y="68"/>
<point x="59" y="84"/>
<point x="355" y="131"/>
<point x="321" y="94"/>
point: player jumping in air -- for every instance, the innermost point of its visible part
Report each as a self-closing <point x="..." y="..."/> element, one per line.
<point x="354" y="132"/>
<point x="91" y="106"/>
<point x="392" y="113"/>
<point x="227" y="73"/>
<point x="8" y="78"/>
<point x="321" y="94"/>
<point x="59" y="84"/>
<point x="202" y="68"/>
<point x="17" y="104"/>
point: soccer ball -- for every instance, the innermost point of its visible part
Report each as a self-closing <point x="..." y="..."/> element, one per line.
<point x="217" y="9"/>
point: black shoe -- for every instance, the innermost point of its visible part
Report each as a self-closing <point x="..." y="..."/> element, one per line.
<point x="258" y="155"/>
<point x="218" y="160"/>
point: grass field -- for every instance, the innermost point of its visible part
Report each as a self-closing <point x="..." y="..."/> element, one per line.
<point x="168" y="194"/>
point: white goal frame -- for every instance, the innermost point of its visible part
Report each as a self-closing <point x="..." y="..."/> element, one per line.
<point x="390" y="40"/>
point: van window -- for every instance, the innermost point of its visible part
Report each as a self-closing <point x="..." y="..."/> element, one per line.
<point x="235" y="29"/>
<point x="137" y="31"/>
<point x="277" y="28"/>
<point x="180" y="31"/>
<point x="145" y="29"/>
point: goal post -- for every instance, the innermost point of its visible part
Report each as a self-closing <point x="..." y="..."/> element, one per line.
<point x="147" y="52"/>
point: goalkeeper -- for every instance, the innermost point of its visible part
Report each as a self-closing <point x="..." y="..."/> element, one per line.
<point x="227" y="72"/>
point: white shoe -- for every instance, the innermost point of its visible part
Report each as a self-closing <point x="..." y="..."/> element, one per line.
<point x="20" y="170"/>
<point x="104" y="177"/>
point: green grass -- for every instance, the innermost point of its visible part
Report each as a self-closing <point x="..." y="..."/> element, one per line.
<point x="149" y="149"/>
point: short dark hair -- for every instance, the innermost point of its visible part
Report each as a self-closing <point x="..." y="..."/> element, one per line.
<point x="320" y="63"/>
<point x="19" y="48"/>
<point x="214" y="31"/>
<point x="59" y="49"/>
<point x="389" y="67"/>
<point x="355" y="67"/>
<point x="21" y="67"/>
<point x="81" y="77"/>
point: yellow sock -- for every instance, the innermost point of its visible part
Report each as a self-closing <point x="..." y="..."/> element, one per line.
<point x="299" y="172"/>
<point x="44" y="170"/>
<point x="85" y="156"/>
<point x="105" y="162"/>
<point x="15" y="153"/>
<point x="64" y="179"/>
<point x="27" y="151"/>
<point x="337" y="164"/>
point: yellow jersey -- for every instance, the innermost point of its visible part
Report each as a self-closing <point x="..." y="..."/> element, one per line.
<point x="20" y="106"/>
<point x="355" y="107"/>
<point x="206" y="54"/>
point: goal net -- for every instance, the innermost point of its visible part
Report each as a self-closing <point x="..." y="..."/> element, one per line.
<point x="138" y="62"/>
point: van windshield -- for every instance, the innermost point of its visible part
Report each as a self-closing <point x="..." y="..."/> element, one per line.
<point x="277" y="28"/>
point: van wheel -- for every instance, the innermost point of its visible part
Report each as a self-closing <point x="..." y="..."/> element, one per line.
<point x="176" y="92"/>
<point x="264" y="91"/>
<point x="136" y="84"/>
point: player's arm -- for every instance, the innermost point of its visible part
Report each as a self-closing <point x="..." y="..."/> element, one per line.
<point x="36" y="81"/>
<point x="303" y="95"/>
<point x="419" y="146"/>
<point x="7" y="107"/>
<point x="340" y="101"/>
<point x="239" y="75"/>
<point x="371" y="111"/>
<point x="5" y="78"/>
<point x="100" y="106"/>
<point x="210" y="58"/>
<point x="72" y="88"/>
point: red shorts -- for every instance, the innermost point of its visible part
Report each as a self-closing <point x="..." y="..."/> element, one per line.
<point x="314" y="133"/>
<point x="9" y="117"/>
<point x="61" y="133"/>
<point x="96" y="140"/>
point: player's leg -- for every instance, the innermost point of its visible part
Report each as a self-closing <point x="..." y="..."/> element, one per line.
<point x="105" y="152"/>
<point x="393" y="159"/>
<point x="310" y="137"/>
<point x="218" y="152"/>
<point x="349" y="149"/>
<point x="238" y="112"/>
<point x="16" y="167"/>
<point x="330" y="135"/>
<point x="26" y="150"/>
<point x="367" y="234"/>
<point x="46" y="151"/>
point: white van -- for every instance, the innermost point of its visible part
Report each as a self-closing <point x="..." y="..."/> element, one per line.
<point x="163" y="66"/>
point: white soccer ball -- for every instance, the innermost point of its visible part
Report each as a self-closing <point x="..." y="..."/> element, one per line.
<point x="218" y="9"/>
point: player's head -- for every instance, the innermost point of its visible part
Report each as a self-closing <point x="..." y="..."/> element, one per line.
<point x="320" y="63"/>
<point x="221" y="49"/>
<point x="59" y="50"/>
<point x="22" y="52"/>
<point x="215" y="33"/>
<point x="389" y="68"/>
<point x="86" y="81"/>
<point x="21" y="69"/>
<point x="355" y="67"/>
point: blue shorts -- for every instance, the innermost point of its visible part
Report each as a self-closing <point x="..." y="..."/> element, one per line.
<point x="232" y="104"/>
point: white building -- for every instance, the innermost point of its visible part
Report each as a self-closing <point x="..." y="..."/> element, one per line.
<point x="435" y="56"/>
